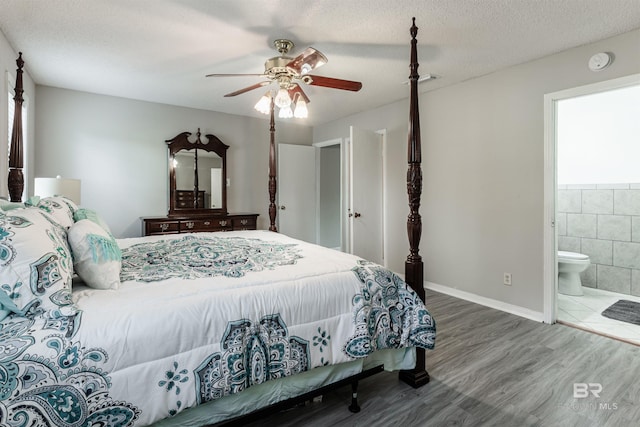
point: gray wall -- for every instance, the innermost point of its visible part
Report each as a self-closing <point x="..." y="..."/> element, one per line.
<point x="120" y="155"/>
<point x="483" y="146"/>
<point x="603" y="221"/>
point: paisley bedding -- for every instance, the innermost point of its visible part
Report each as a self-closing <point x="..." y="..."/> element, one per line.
<point x="196" y="318"/>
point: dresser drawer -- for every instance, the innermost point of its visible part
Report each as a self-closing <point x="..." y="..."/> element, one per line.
<point x="199" y="223"/>
<point x="161" y="227"/>
<point x="244" y="223"/>
<point x="207" y="224"/>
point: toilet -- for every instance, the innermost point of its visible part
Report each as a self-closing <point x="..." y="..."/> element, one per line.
<point x="570" y="265"/>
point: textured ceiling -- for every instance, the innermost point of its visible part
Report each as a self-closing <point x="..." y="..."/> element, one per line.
<point x="160" y="50"/>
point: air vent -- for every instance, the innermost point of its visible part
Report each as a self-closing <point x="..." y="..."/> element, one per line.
<point x="424" y="78"/>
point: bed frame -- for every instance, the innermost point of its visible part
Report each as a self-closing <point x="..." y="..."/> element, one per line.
<point x="414" y="266"/>
<point x="16" y="162"/>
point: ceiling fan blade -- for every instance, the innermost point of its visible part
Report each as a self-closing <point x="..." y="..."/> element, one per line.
<point x="307" y="61"/>
<point x="232" y="75"/>
<point x="247" y="89"/>
<point x="296" y="90"/>
<point x="332" y="83"/>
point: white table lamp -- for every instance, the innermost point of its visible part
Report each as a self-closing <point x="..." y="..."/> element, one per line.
<point x="58" y="186"/>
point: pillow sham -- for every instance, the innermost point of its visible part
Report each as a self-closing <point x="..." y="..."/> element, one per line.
<point x="60" y="208"/>
<point x="96" y="256"/>
<point x="92" y="215"/>
<point x="35" y="265"/>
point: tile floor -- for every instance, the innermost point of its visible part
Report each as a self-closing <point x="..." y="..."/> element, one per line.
<point x="585" y="312"/>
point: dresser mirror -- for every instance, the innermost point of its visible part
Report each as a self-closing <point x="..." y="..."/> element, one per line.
<point x="197" y="175"/>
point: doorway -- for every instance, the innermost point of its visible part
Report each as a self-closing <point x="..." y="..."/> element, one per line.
<point x="591" y="190"/>
<point x="330" y="194"/>
<point x="350" y="209"/>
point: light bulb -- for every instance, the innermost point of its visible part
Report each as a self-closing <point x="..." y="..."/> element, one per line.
<point x="263" y="105"/>
<point x="301" y="111"/>
<point x="285" y="113"/>
<point x="282" y="98"/>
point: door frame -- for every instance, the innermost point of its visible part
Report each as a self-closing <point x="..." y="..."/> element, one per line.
<point x="550" y="245"/>
<point x="318" y="146"/>
<point x="344" y="190"/>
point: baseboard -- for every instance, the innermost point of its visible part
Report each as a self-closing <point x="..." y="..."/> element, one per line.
<point x="488" y="302"/>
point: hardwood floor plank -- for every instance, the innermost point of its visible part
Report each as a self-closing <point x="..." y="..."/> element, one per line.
<point x="491" y="368"/>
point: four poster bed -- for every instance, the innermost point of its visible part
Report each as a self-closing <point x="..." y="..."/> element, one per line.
<point x="221" y="324"/>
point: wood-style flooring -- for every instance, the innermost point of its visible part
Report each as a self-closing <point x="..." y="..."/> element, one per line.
<point x="491" y="368"/>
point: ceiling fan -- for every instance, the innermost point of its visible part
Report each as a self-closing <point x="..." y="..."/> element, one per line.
<point x="288" y="72"/>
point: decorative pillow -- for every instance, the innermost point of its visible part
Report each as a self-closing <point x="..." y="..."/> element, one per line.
<point x="6" y="205"/>
<point x="90" y="214"/>
<point x="96" y="256"/>
<point x="60" y="208"/>
<point x="35" y="265"/>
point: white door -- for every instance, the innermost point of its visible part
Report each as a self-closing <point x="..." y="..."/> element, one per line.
<point x="365" y="216"/>
<point x="297" y="191"/>
<point x="216" y="188"/>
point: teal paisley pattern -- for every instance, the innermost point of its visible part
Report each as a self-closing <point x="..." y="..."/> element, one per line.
<point x="64" y="387"/>
<point x="193" y="257"/>
<point x="34" y="245"/>
<point x="253" y="353"/>
<point x="387" y="314"/>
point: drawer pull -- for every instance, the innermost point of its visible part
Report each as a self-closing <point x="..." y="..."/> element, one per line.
<point x="207" y="223"/>
<point x="189" y="224"/>
<point x="164" y="226"/>
<point x="244" y="221"/>
<point x="223" y="223"/>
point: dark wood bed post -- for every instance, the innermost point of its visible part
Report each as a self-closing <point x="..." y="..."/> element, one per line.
<point x="272" y="169"/>
<point x="414" y="267"/>
<point x="16" y="179"/>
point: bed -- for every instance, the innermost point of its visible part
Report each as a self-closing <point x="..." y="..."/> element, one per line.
<point x="191" y="329"/>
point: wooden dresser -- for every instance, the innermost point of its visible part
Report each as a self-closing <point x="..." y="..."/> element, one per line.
<point x="198" y="223"/>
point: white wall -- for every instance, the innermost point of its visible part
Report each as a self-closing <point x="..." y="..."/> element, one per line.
<point x="598" y="138"/>
<point x="116" y="147"/>
<point x="8" y="58"/>
<point x="482" y="142"/>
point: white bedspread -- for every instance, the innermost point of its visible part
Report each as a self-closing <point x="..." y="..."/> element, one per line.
<point x="167" y="345"/>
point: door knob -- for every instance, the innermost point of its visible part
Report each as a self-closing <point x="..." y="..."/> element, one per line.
<point x="357" y="215"/>
<point x="283" y="207"/>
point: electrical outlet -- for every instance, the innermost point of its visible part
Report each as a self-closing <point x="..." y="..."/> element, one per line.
<point x="507" y="279"/>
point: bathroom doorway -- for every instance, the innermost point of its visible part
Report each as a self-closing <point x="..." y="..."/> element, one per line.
<point x="330" y="194"/>
<point x="592" y="202"/>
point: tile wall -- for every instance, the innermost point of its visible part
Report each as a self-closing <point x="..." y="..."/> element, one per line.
<point x="603" y="221"/>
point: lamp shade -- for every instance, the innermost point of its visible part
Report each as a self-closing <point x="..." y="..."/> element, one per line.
<point x="67" y="187"/>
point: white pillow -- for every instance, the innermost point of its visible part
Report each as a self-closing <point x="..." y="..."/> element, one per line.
<point x="59" y="207"/>
<point x="35" y="264"/>
<point x="96" y="256"/>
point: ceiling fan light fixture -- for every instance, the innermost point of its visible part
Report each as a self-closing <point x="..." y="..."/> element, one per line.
<point x="289" y="73"/>
<point x="264" y="104"/>
<point x="285" y="113"/>
<point x="283" y="99"/>
<point x="301" y="111"/>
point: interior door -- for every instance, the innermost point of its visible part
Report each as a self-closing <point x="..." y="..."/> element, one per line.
<point x="297" y="191"/>
<point x="365" y="215"/>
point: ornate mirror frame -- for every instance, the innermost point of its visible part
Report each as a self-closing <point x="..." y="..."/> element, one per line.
<point x="181" y="142"/>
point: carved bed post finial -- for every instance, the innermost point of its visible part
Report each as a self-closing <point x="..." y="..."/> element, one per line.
<point x="414" y="267"/>
<point x="272" y="169"/>
<point x="15" y="178"/>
